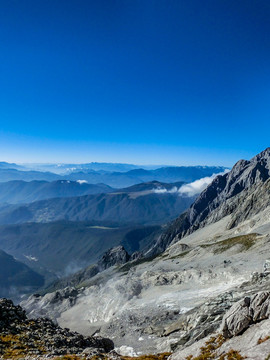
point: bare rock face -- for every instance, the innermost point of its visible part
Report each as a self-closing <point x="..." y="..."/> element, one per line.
<point x="115" y="256"/>
<point x="246" y="312"/>
<point x="242" y="193"/>
<point x="237" y="319"/>
<point x="260" y="306"/>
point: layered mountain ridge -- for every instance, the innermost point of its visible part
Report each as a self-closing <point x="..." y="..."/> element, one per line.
<point x="140" y="204"/>
<point x="241" y="193"/>
<point x="116" y="179"/>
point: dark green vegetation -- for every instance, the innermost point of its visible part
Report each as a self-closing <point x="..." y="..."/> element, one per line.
<point x="65" y="247"/>
<point x="15" y="192"/>
<point x="16" y="277"/>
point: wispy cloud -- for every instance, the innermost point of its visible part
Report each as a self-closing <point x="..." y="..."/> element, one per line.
<point x="163" y="190"/>
<point x="191" y="189"/>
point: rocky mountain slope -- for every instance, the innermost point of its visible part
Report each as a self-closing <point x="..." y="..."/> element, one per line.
<point x="243" y="334"/>
<point x="140" y="304"/>
<point x="217" y="254"/>
<point x="242" y="193"/>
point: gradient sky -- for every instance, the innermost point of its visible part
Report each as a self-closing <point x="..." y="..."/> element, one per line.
<point x="141" y="81"/>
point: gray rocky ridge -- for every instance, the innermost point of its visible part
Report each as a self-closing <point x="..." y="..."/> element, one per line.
<point x="242" y="193"/>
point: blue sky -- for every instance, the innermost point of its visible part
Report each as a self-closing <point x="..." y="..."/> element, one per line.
<point x="150" y="81"/>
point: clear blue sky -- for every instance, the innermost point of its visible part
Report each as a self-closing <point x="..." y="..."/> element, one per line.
<point x="150" y="81"/>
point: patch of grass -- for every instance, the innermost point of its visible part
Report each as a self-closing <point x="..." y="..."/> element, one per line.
<point x="68" y="357"/>
<point x="163" y="356"/>
<point x="232" y="355"/>
<point x="182" y="254"/>
<point x="262" y="340"/>
<point x="246" y="242"/>
<point x="209" y="350"/>
<point x="14" y="347"/>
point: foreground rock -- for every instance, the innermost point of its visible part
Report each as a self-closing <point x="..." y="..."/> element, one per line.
<point x="20" y="336"/>
<point x="244" y="333"/>
<point x="246" y="312"/>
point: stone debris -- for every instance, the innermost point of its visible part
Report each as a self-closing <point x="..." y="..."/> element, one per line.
<point x="22" y="336"/>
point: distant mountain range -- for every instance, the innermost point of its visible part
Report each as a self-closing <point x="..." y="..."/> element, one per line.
<point x="6" y="165"/>
<point x="18" y="191"/>
<point x="117" y="179"/>
<point x="140" y="204"/>
<point x="96" y="166"/>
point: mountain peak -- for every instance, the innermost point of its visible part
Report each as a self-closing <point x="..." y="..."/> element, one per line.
<point x="235" y="193"/>
<point x="264" y="155"/>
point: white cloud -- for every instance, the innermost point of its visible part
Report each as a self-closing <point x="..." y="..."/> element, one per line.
<point x="82" y="182"/>
<point x="163" y="190"/>
<point x="197" y="186"/>
<point x="191" y="189"/>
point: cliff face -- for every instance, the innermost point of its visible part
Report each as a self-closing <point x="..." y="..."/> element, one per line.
<point x="241" y="193"/>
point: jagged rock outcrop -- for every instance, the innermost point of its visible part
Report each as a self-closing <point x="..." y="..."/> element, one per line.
<point x="242" y="192"/>
<point x="115" y="256"/>
<point x="246" y="312"/>
<point x="20" y="336"/>
<point x="244" y="333"/>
